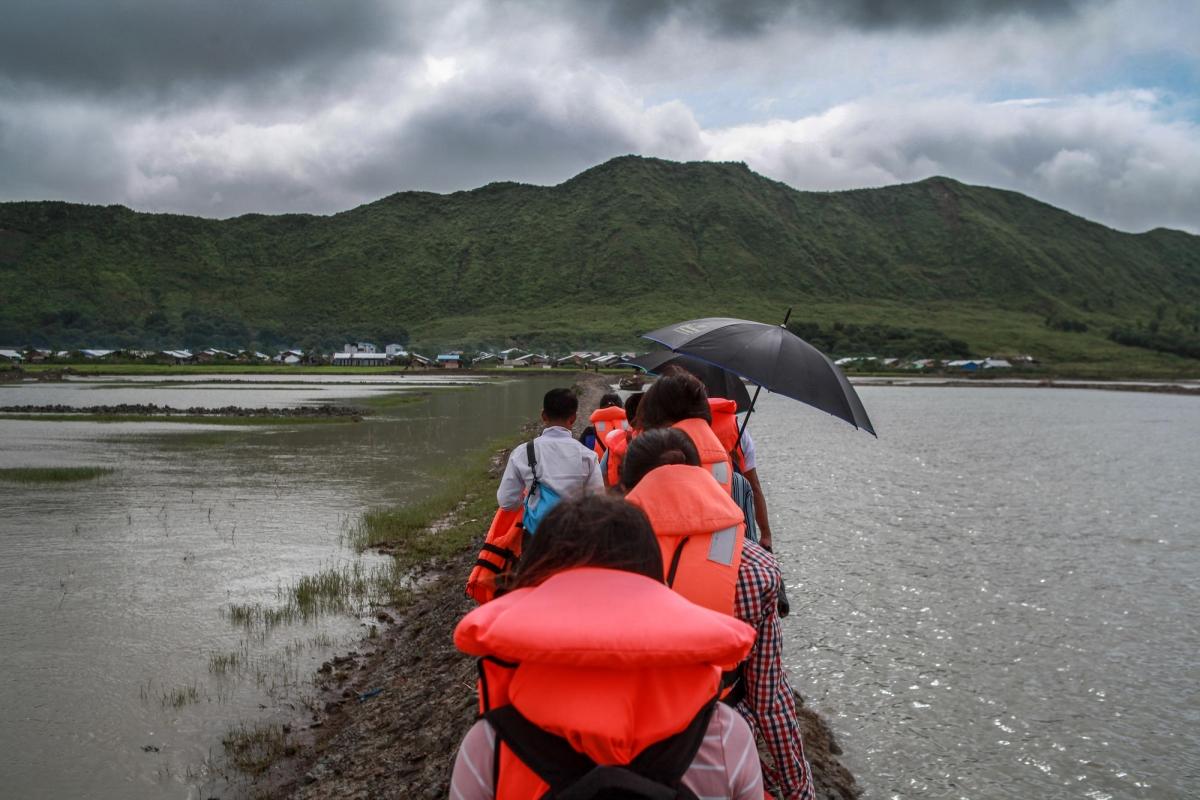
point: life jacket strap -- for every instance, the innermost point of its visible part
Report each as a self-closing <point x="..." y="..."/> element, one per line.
<point x="655" y="774"/>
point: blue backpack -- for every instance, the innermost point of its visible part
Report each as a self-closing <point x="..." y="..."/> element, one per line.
<point x="540" y="498"/>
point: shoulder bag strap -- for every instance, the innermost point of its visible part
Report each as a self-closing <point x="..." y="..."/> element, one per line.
<point x="531" y="457"/>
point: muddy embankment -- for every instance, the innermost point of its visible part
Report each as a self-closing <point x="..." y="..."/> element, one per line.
<point x="396" y="709"/>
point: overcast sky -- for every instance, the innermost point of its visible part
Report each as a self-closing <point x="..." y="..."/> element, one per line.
<point x="222" y="107"/>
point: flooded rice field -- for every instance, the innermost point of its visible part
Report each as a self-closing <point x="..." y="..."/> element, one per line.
<point x="123" y="662"/>
<point x="996" y="598"/>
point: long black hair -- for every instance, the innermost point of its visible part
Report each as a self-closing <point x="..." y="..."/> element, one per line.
<point x="655" y="448"/>
<point x="677" y="395"/>
<point x="591" y="531"/>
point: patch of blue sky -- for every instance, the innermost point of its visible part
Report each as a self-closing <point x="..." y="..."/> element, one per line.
<point x="1177" y="77"/>
<point x="729" y="104"/>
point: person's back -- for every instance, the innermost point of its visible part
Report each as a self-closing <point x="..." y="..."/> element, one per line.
<point x="678" y="400"/>
<point x="561" y="462"/>
<point x="662" y="474"/>
<point x="608" y="417"/>
<point x="570" y="681"/>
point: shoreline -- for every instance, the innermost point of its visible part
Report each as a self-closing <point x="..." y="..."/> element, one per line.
<point x="1041" y="375"/>
<point x="395" y="708"/>
<point x="1115" y="385"/>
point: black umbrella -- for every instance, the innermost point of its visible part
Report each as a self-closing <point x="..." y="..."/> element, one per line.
<point x="718" y="382"/>
<point x="770" y="356"/>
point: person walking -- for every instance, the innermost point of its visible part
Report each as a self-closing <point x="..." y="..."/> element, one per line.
<point x="708" y="559"/>
<point x="590" y="660"/>
<point x="554" y="460"/>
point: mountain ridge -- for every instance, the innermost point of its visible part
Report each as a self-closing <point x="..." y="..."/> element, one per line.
<point x="622" y="246"/>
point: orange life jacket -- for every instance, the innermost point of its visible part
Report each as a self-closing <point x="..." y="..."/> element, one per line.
<point x="501" y="549"/>
<point x="605" y="421"/>
<point x="725" y="426"/>
<point x="617" y="444"/>
<point x="700" y="530"/>
<point x="713" y="455"/>
<point x="610" y="661"/>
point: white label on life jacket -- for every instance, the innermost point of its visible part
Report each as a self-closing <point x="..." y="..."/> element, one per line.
<point x="720" y="471"/>
<point x="600" y="426"/>
<point x="720" y="547"/>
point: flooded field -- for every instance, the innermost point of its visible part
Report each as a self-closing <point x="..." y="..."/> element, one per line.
<point x="123" y="661"/>
<point x="996" y="598"/>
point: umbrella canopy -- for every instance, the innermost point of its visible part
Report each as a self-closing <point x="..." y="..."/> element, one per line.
<point x="770" y="356"/>
<point x="718" y="382"/>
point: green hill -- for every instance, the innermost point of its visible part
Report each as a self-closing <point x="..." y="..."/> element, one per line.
<point x="626" y="246"/>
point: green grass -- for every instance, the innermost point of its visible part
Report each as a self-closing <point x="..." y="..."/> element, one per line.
<point x="461" y="512"/>
<point x="254" y="749"/>
<point x="180" y="696"/>
<point x="463" y="507"/>
<point x="394" y="399"/>
<point x="53" y="474"/>
<point x="660" y="241"/>
<point x="184" y="419"/>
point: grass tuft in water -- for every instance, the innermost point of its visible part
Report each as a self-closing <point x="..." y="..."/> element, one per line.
<point x="394" y="399"/>
<point x="254" y="749"/>
<point x="53" y="474"/>
<point x="223" y="663"/>
<point x="440" y="526"/>
<point x="180" y="696"/>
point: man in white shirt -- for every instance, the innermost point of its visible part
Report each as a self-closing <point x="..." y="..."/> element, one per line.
<point x="563" y="464"/>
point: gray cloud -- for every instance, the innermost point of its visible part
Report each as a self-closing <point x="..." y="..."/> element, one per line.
<point x="1116" y="159"/>
<point x="449" y="98"/>
<point x="750" y="18"/>
<point x="132" y="46"/>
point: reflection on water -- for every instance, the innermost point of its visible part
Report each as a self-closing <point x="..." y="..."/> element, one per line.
<point x="112" y="640"/>
<point x="997" y="598"/>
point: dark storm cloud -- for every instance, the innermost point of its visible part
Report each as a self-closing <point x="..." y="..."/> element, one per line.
<point x="132" y="46"/>
<point x="748" y="18"/>
<point x="468" y="132"/>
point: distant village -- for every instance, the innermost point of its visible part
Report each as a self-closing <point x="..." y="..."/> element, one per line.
<point x="366" y="354"/>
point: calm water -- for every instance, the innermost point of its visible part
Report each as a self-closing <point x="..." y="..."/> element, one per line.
<point x="998" y="598"/>
<point x="113" y="589"/>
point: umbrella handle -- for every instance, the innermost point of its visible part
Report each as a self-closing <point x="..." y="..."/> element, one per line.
<point x="746" y="421"/>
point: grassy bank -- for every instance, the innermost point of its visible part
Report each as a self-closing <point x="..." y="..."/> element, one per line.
<point x="53" y="474"/>
<point x="442" y="525"/>
<point x="446" y="520"/>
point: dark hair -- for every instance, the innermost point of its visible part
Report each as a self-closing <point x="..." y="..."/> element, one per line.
<point x="677" y="395"/>
<point x="611" y="399"/>
<point x="631" y="408"/>
<point x="656" y="448"/>
<point x="591" y="531"/>
<point x="560" y="404"/>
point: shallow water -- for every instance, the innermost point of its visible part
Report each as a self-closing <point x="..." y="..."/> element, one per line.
<point x="994" y="599"/>
<point x="998" y="597"/>
<point x="113" y="589"/>
<point x="219" y="391"/>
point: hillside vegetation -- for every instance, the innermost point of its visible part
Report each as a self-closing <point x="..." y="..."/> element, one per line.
<point x="629" y="245"/>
